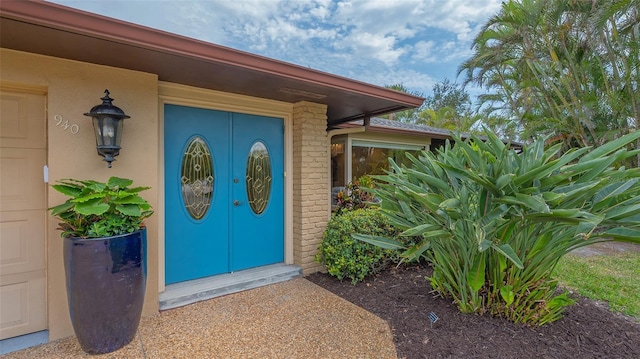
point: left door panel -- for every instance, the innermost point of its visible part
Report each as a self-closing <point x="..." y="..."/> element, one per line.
<point x="196" y="244"/>
<point x="23" y="307"/>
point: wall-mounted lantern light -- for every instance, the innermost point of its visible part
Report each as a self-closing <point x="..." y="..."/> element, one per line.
<point x="107" y="125"/>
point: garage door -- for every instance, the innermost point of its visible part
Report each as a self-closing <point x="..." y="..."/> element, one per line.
<point x="22" y="213"/>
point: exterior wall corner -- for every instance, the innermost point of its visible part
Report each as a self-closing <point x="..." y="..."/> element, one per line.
<point x="310" y="182"/>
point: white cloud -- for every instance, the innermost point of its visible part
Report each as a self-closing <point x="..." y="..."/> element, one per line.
<point x="377" y="46"/>
<point x="320" y="12"/>
<point x="411" y="79"/>
<point x="424" y="51"/>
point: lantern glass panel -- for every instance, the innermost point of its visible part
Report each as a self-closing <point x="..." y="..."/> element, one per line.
<point x="108" y="131"/>
<point x="97" y="128"/>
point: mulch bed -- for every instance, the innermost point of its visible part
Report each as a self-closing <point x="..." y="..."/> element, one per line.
<point x="402" y="297"/>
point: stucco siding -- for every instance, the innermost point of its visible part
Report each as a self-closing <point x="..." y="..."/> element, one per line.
<point x="72" y="89"/>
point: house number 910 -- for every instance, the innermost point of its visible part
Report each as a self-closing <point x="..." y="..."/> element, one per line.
<point x="64" y="124"/>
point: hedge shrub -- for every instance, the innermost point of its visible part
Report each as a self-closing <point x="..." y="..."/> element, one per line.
<point x="346" y="257"/>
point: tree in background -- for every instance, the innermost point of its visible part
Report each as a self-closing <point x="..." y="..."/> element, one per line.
<point x="568" y="70"/>
<point x="407" y="116"/>
<point x="449" y="107"/>
<point x="451" y="96"/>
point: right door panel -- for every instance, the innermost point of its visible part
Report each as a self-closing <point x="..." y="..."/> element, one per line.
<point x="258" y="230"/>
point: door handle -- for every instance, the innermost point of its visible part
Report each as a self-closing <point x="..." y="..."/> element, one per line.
<point x="236" y="203"/>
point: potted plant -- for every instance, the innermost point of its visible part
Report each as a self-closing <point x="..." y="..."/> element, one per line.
<point x="105" y="259"/>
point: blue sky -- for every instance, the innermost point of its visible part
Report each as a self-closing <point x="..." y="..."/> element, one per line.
<point x="414" y="42"/>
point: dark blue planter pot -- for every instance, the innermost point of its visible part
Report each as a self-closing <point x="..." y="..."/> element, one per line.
<point x="106" y="280"/>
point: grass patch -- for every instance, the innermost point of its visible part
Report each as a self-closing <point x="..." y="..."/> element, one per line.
<point x="614" y="279"/>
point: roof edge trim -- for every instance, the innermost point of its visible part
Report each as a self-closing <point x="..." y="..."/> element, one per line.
<point x="88" y="24"/>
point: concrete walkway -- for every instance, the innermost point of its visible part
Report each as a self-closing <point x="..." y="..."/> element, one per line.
<point x="293" y="319"/>
<point x="607" y="248"/>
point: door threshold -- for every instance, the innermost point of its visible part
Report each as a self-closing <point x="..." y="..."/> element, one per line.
<point x="183" y="293"/>
<point x="24" y="341"/>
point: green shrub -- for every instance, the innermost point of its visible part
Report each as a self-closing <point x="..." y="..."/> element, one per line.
<point x="346" y="257"/>
<point x="495" y="222"/>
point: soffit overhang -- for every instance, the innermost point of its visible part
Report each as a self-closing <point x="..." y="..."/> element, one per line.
<point x="59" y="31"/>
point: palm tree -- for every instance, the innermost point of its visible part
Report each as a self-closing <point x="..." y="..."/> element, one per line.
<point x="568" y="69"/>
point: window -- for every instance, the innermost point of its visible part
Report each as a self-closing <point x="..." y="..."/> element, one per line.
<point x="371" y="158"/>
<point x="364" y="157"/>
<point x="258" y="177"/>
<point x="338" y="163"/>
<point x="197" y="178"/>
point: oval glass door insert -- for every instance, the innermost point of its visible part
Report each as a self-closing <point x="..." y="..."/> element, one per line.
<point x="258" y="177"/>
<point x="197" y="178"/>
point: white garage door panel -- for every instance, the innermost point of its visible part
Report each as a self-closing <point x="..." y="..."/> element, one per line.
<point x="22" y="123"/>
<point x="22" y="309"/>
<point x="23" y="213"/>
<point x="21" y="179"/>
<point x="21" y="241"/>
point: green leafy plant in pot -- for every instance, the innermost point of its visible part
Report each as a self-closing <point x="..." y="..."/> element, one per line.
<point x="105" y="259"/>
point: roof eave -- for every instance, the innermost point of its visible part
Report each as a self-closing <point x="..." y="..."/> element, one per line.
<point x="79" y="22"/>
<point x="399" y="131"/>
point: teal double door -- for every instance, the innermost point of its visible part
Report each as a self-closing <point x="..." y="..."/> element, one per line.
<point x="224" y="192"/>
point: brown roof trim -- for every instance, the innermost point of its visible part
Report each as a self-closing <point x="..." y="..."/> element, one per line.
<point x="75" y="21"/>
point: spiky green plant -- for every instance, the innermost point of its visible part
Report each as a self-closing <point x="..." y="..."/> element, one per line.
<point x="96" y="209"/>
<point x="494" y="222"/>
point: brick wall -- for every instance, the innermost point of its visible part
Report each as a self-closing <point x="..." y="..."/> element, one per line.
<point x="310" y="182"/>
